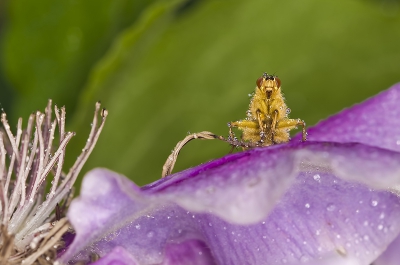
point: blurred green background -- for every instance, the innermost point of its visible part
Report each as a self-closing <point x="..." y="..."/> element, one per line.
<point x="163" y="68"/>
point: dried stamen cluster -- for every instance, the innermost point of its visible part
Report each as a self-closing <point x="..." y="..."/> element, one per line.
<point x="31" y="220"/>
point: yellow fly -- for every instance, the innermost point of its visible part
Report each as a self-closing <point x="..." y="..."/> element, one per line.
<point x="267" y="122"/>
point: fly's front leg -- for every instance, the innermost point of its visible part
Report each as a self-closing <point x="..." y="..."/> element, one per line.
<point x="292" y="123"/>
<point x="170" y="163"/>
<point x="273" y="126"/>
<point x="304" y="133"/>
<point x="262" y="126"/>
<point x="231" y="134"/>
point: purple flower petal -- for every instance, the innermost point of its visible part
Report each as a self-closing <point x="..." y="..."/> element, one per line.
<point x="374" y="122"/>
<point x="118" y="256"/>
<point x="192" y="252"/>
<point x="246" y="188"/>
<point x="391" y="256"/>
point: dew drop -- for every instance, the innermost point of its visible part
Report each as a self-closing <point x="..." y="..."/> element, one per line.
<point x="330" y="207"/>
<point x="317" y="178"/>
<point x="209" y="224"/>
<point x="264" y="237"/>
<point x="382" y="215"/>
<point x="303" y="259"/>
<point x="307" y="205"/>
<point x="374" y="203"/>
<point x="380" y="227"/>
<point x="137" y="226"/>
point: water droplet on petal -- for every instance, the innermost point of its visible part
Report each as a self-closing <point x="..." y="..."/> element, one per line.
<point x="374" y="203"/>
<point x="317" y="178"/>
<point x="330" y="207"/>
<point x="303" y="259"/>
<point x="307" y="205"/>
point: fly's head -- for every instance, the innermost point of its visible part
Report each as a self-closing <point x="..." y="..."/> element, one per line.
<point x="268" y="85"/>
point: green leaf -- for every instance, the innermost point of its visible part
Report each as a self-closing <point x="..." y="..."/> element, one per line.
<point x="177" y="71"/>
<point x="50" y="46"/>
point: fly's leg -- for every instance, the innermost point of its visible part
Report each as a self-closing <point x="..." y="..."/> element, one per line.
<point x="262" y="126"/>
<point x="304" y="133"/>
<point x="171" y="160"/>
<point x="231" y="133"/>
<point x="232" y="136"/>
<point x="292" y="123"/>
<point x="273" y="126"/>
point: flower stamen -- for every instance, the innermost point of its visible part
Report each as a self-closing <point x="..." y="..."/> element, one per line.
<point x="32" y="222"/>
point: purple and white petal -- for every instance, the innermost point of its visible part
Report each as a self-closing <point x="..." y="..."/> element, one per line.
<point x="318" y="216"/>
<point x="259" y="178"/>
<point x="391" y="256"/>
<point x="118" y="256"/>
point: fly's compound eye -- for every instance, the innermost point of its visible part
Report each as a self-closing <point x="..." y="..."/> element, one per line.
<point x="259" y="81"/>
<point x="278" y="82"/>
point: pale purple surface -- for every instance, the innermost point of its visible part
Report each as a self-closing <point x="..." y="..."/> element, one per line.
<point x="391" y="256"/>
<point x="313" y="202"/>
